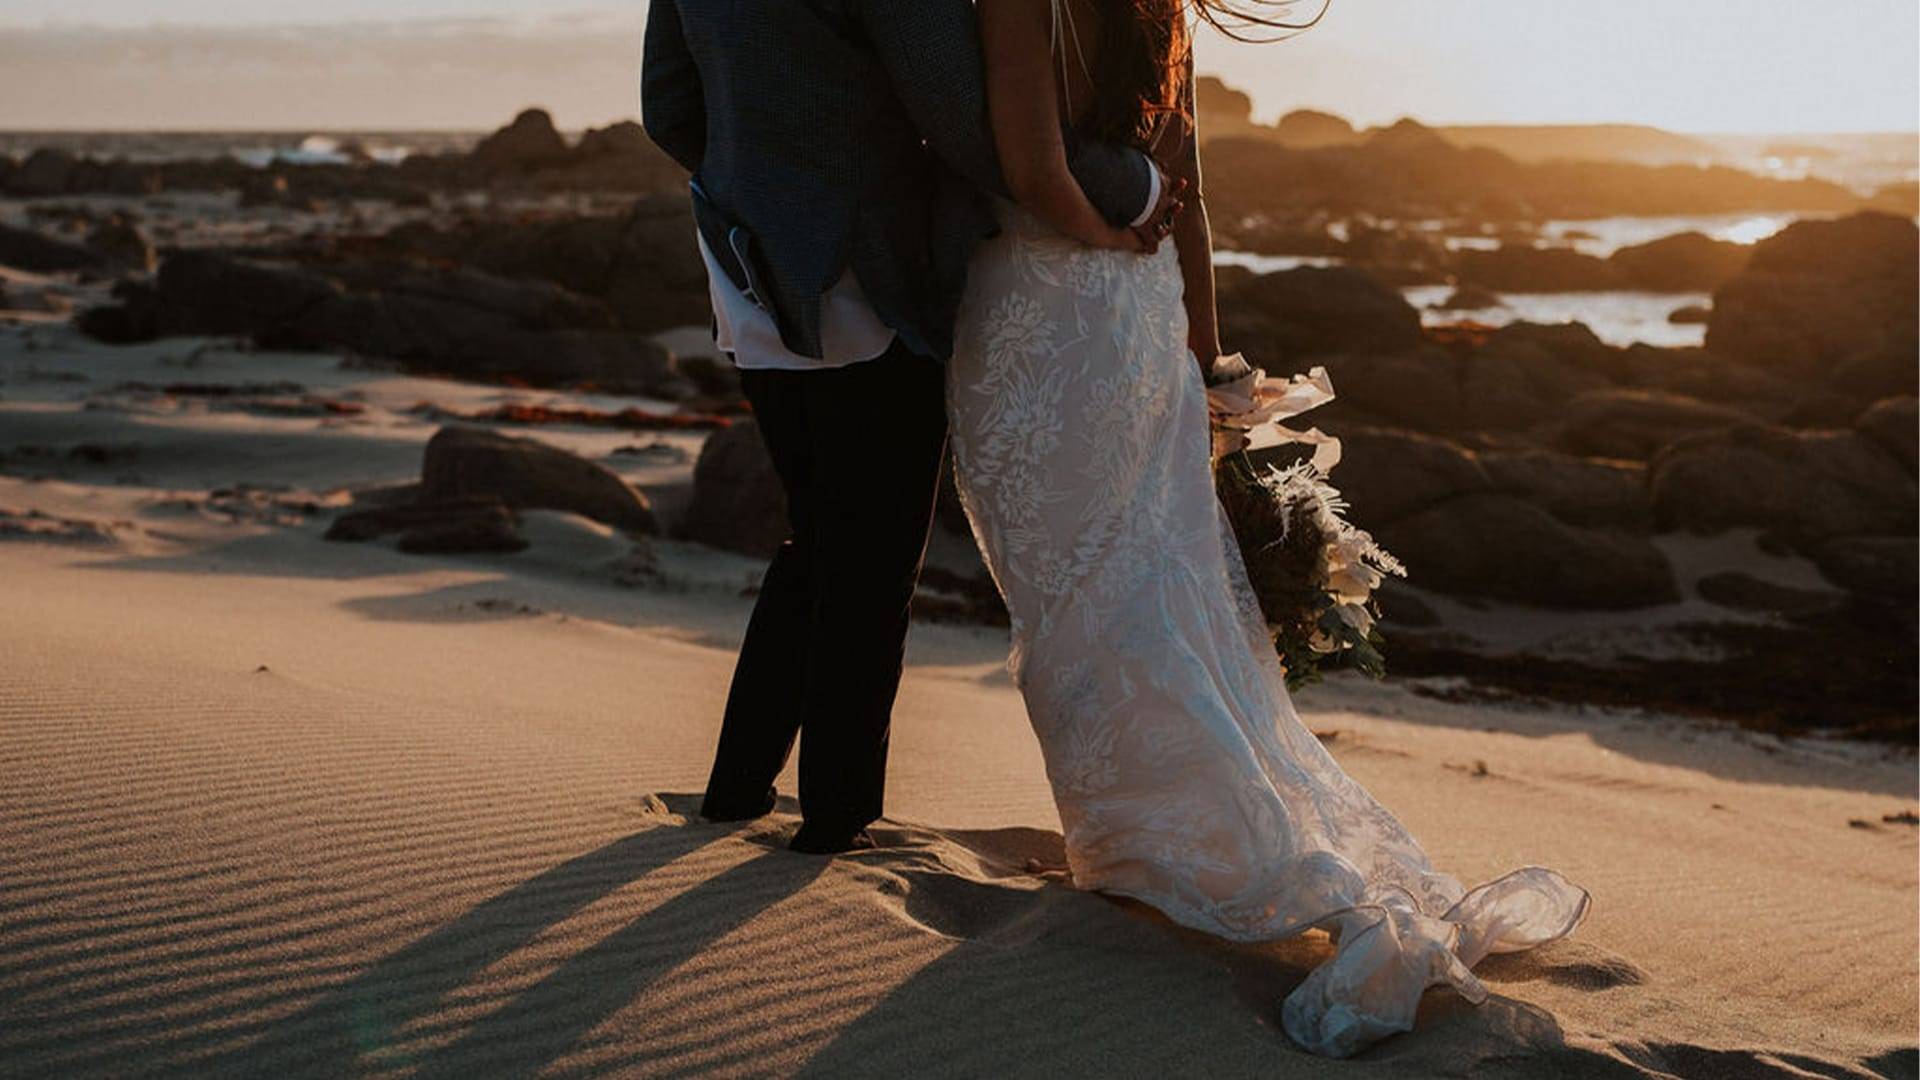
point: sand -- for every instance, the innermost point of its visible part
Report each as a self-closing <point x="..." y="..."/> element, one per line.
<point x="271" y="806"/>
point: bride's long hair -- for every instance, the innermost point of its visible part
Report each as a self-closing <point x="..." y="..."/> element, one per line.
<point x="1144" y="47"/>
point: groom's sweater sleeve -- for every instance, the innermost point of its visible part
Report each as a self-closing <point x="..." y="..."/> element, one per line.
<point x="931" y="50"/>
<point x="673" y="108"/>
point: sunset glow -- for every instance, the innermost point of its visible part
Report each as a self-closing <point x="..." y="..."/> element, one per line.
<point x="1702" y="66"/>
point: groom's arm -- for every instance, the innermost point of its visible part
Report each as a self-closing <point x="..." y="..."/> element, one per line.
<point x="931" y="50"/>
<point x="673" y="108"/>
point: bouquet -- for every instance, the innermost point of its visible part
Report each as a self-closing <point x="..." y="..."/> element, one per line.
<point x="1313" y="572"/>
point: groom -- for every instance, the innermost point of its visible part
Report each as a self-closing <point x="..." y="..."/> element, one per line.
<point x="841" y="157"/>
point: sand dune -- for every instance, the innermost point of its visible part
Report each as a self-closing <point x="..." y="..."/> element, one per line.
<point x="278" y="807"/>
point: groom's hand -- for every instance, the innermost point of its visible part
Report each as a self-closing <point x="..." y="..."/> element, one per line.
<point x="1159" y="224"/>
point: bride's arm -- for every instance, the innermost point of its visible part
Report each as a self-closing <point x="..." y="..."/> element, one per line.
<point x="1016" y="38"/>
<point x="1179" y="149"/>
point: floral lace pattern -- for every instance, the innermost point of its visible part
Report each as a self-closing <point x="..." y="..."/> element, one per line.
<point x="1183" y="775"/>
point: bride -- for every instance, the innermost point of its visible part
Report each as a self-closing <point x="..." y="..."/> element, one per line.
<point x="1183" y="775"/>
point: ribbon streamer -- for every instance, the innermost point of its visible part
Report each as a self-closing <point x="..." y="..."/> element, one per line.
<point x="1248" y="405"/>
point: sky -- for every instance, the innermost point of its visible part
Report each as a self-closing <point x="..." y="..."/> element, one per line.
<point x="1687" y="65"/>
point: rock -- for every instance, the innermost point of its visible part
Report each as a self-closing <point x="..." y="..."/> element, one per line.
<point x="1536" y="270"/>
<point x="1820" y="293"/>
<point x="639" y="264"/>
<point x="1308" y="312"/>
<point x="1802" y="486"/>
<point x="1419" y="390"/>
<point x="1579" y="491"/>
<point x="37" y="253"/>
<point x="1884" y="567"/>
<point x="622" y="140"/>
<point x="47" y="171"/>
<point x="1308" y="128"/>
<point x="530" y="142"/>
<point x="1499" y="547"/>
<point x="445" y="526"/>
<point x="468" y="462"/>
<point x="1387" y="475"/>
<point x="203" y="293"/>
<point x="1469" y="298"/>
<point x="1894" y="425"/>
<point x="119" y="238"/>
<point x="1683" y="262"/>
<point x="1525" y="374"/>
<point x="714" y="376"/>
<point x="1690" y="315"/>
<point x="1737" y="591"/>
<point x="1221" y="108"/>
<point x="738" y="504"/>
<point x="1636" y="424"/>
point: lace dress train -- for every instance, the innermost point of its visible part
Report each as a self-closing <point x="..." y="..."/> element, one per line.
<point x="1183" y="776"/>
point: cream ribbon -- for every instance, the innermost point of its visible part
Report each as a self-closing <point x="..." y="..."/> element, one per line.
<point x="1247" y="406"/>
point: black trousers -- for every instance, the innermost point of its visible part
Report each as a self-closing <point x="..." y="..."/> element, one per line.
<point x="858" y="450"/>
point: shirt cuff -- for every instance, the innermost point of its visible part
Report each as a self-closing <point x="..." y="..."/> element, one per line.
<point x="1153" y="194"/>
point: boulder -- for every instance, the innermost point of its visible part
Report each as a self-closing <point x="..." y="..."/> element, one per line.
<point x="1883" y="567"/>
<point x="1525" y="375"/>
<point x="1536" y="270"/>
<point x="622" y="140"/>
<point x="47" y="171"/>
<point x="470" y="462"/>
<point x="1418" y="389"/>
<point x="1804" y="487"/>
<point x="1820" y="293"/>
<point x="447" y="526"/>
<point x="1308" y="128"/>
<point x="1636" y="424"/>
<point x="37" y="253"/>
<point x="1307" y="312"/>
<point x="1387" y="475"/>
<point x="121" y="240"/>
<point x="1492" y="546"/>
<point x="530" y="142"/>
<point x="738" y="504"/>
<point x="1683" y="262"/>
<point x="1579" y="491"/>
<point x="1893" y="425"/>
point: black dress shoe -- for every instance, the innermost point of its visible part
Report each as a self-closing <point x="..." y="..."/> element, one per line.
<point x="717" y="809"/>
<point x="818" y="840"/>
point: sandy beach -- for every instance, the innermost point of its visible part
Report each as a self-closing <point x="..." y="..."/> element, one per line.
<point x="278" y="806"/>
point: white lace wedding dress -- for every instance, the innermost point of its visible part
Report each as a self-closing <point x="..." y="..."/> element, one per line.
<point x="1183" y="775"/>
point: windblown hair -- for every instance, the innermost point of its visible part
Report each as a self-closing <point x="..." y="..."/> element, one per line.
<point x="1144" y="49"/>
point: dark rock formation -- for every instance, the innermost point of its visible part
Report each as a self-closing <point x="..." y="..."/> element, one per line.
<point x="1823" y="294"/>
<point x="121" y="240"/>
<point x="1683" y="262"/>
<point x="1588" y="492"/>
<point x="446" y="322"/>
<point x="470" y="462"/>
<point x="1501" y="547"/>
<point x="1313" y="312"/>
<point x="1636" y="424"/>
<point x="450" y="526"/>
<point x="738" y="504"/>
<point x="1804" y="487"/>
<point x="530" y="142"/>
<point x="1894" y="425"/>
<point x="1883" y="567"/>
<point x="1537" y="270"/>
<point x="37" y="253"/>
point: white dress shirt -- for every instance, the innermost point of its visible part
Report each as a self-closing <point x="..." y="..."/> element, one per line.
<point x="850" y="330"/>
